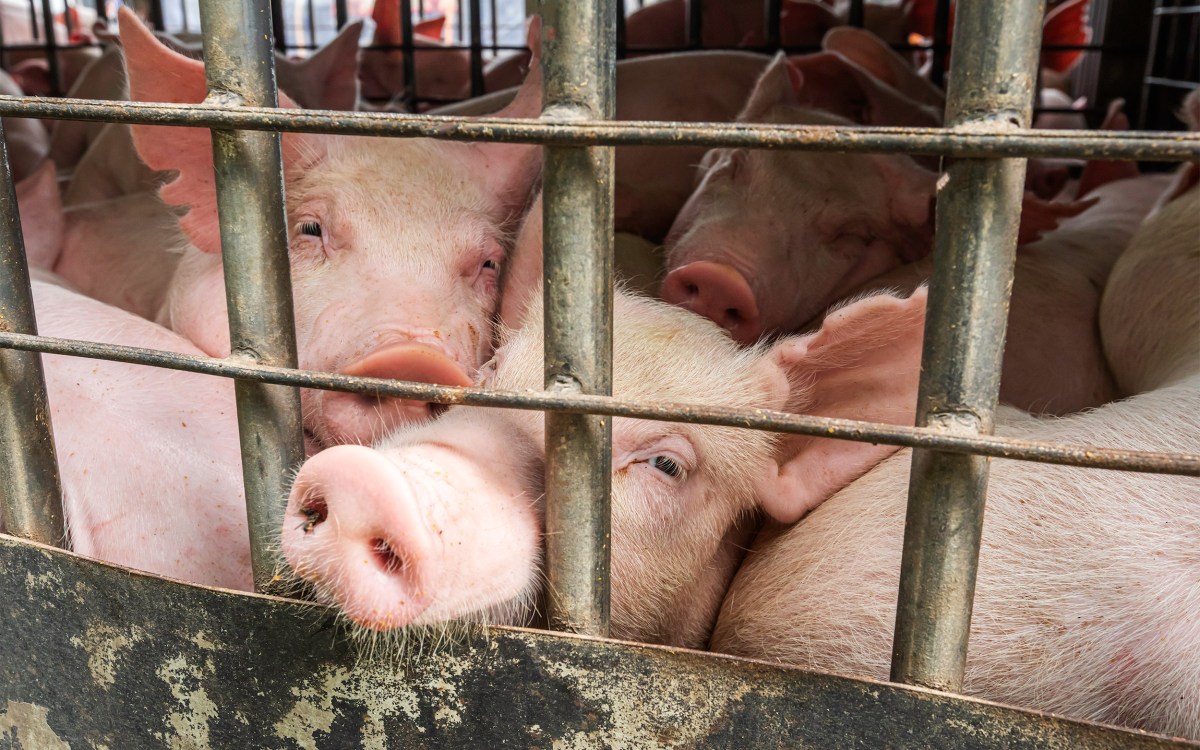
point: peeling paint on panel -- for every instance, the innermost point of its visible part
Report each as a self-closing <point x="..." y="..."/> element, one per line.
<point x="26" y="723"/>
<point x="194" y="710"/>
<point x="104" y="645"/>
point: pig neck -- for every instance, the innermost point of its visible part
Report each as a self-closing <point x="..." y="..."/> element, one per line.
<point x="195" y="306"/>
<point x="700" y="605"/>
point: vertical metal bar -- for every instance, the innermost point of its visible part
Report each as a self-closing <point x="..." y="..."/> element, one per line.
<point x="476" y="48"/>
<point x="278" y="25"/>
<point x="52" y="50"/>
<point x="579" y="42"/>
<point x="101" y="10"/>
<point x="410" y="54"/>
<point x="941" y="42"/>
<point x="70" y="26"/>
<point x="33" y="21"/>
<point x="183" y="11"/>
<point x="978" y="212"/>
<point x="621" y="43"/>
<point x="30" y="493"/>
<point x="1155" y="31"/>
<point x="312" y="23"/>
<point x="459" y="20"/>
<point x="857" y="14"/>
<point x="773" y="21"/>
<point x="341" y="12"/>
<point x="495" y="29"/>
<point x="240" y="67"/>
<point x="156" y="15"/>
<point x="695" y="27"/>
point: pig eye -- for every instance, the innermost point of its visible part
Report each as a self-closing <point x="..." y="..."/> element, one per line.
<point x="667" y="466"/>
<point x="311" y="228"/>
<point x="491" y="264"/>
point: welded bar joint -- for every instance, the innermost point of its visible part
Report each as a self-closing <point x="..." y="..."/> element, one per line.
<point x="579" y="43"/>
<point x="30" y="493"/>
<point x="240" y="64"/>
<point x="978" y="213"/>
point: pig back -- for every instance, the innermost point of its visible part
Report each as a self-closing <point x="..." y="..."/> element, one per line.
<point x="1086" y="601"/>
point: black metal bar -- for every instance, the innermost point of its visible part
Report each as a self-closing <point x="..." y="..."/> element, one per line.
<point x="580" y="65"/>
<point x="342" y="13"/>
<point x="941" y="42"/>
<point x="67" y="22"/>
<point x="978" y="214"/>
<point x="695" y="24"/>
<point x="30" y="493"/>
<point x="751" y="419"/>
<point x="857" y="16"/>
<point x="33" y="21"/>
<point x="312" y="21"/>
<point x="1155" y="30"/>
<point x="101" y="10"/>
<point x="156" y="15"/>
<point x="187" y="22"/>
<point x="279" y="26"/>
<point x="773" y="21"/>
<point x="410" y="55"/>
<point x="476" y="48"/>
<point x="621" y="43"/>
<point x="495" y="29"/>
<point x="968" y="142"/>
<point x="51" y="49"/>
<point x="240" y="67"/>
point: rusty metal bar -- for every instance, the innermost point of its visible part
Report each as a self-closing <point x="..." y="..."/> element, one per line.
<point x="579" y="40"/>
<point x="978" y="213"/>
<point x="51" y="50"/>
<point x="240" y="67"/>
<point x="752" y="419"/>
<point x="30" y="493"/>
<point x="968" y="142"/>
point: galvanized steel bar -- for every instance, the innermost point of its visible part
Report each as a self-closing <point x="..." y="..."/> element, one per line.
<point x="751" y="419"/>
<point x="978" y="142"/>
<point x="51" y="48"/>
<point x="579" y="41"/>
<point x="30" y="493"/>
<point x="978" y="213"/>
<point x="240" y="67"/>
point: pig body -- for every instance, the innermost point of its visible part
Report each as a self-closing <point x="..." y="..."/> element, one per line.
<point x="149" y="458"/>
<point x="1086" y="601"/>
<point x="27" y="140"/>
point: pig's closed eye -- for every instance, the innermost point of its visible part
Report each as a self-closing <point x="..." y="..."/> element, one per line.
<point x="311" y="228"/>
<point x="667" y="466"/>
<point x="491" y="264"/>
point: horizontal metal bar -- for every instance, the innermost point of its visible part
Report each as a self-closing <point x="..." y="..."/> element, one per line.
<point x="976" y="141"/>
<point x="1179" y="11"/>
<point x="1172" y="82"/>
<point x="766" y="420"/>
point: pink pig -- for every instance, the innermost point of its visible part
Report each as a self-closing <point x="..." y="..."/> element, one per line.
<point x="396" y="245"/>
<point x="770" y="239"/>
<point x="443" y="520"/>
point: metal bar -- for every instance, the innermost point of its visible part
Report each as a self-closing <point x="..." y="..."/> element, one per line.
<point x="752" y="419"/>
<point x="773" y="22"/>
<point x="156" y="15"/>
<point x="857" y="14"/>
<point x="410" y="54"/>
<point x="621" y="43"/>
<point x="980" y="142"/>
<point x="187" y="22"/>
<point x="580" y="41"/>
<point x="67" y="23"/>
<point x="941" y="42"/>
<point x="978" y="213"/>
<point x="51" y="48"/>
<point x="342" y="13"/>
<point x="476" y="48"/>
<point x="240" y="67"/>
<point x="695" y="27"/>
<point x="33" y="21"/>
<point x="1171" y="82"/>
<point x="495" y="29"/>
<point x="30" y="493"/>
<point x="279" y="26"/>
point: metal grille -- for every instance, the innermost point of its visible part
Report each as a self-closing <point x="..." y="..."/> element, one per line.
<point x="976" y="225"/>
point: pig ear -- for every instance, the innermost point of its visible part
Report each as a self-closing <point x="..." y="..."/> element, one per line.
<point x="1100" y="171"/>
<point x="1066" y="25"/>
<point x="510" y="170"/>
<point x="864" y="363"/>
<point x="431" y="28"/>
<point x="329" y="78"/>
<point x="156" y="74"/>
<point x="912" y="191"/>
<point x="870" y="53"/>
<point x="521" y="283"/>
<point x="1039" y="216"/>
<point x="778" y="85"/>
<point x="386" y="15"/>
<point x="42" y="222"/>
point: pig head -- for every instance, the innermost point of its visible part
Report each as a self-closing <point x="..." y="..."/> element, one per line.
<point x="395" y="244"/>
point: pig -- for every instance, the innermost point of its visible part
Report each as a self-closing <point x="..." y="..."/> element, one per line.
<point x="149" y="458"/>
<point x="439" y="72"/>
<point x="395" y="245"/>
<point x="405" y="535"/>
<point x="27" y="140"/>
<point x="770" y="239"/>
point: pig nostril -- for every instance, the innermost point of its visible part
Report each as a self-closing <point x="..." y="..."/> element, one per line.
<point x="385" y="557"/>
<point x="315" y="511"/>
<point x="692" y="290"/>
<point x="733" y="316"/>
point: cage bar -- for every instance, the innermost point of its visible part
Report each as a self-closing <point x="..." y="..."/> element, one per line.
<point x="30" y="493"/>
<point x="240" y="67"/>
<point x="579" y="39"/>
<point x="410" y="55"/>
<point x="51" y="49"/>
<point x="695" y="24"/>
<point x="477" y="47"/>
<point x="773" y="21"/>
<point x="978" y="213"/>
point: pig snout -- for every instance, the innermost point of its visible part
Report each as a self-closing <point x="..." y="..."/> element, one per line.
<point x="362" y="418"/>
<point x="353" y="529"/>
<point x="717" y="292"/>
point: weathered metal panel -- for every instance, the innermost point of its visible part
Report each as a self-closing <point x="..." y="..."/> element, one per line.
<point x="101" y="657"/>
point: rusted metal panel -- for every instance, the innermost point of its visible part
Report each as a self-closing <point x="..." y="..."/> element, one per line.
<point x="97" y="656"/>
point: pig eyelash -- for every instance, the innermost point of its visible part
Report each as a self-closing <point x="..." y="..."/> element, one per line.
<point x="311" y="228"/>
<point x="668" y="466"/>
